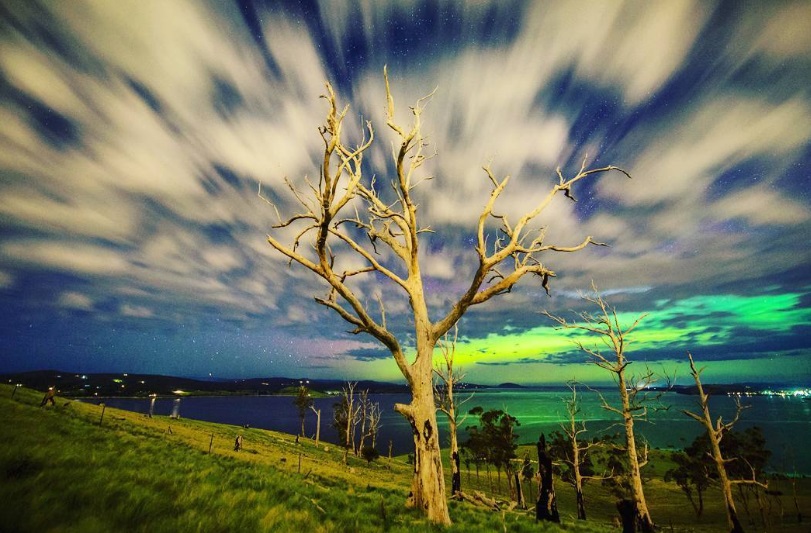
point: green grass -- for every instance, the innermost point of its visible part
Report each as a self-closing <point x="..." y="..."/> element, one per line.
<point x="60" y="470"/>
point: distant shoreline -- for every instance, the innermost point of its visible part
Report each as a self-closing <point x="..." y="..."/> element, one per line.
<point x="128" y="385"/>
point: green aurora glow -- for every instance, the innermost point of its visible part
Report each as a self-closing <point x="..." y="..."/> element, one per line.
<point x="699" y="324"/>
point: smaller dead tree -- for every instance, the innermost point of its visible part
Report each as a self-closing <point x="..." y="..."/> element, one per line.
<point x="447" y="378"/>
<point x="715" y="433"/>
<point x="632" y="390"/>
<point x="346" y="416"/>
<point x="317" y="424"/>
<point x="573" y="453"/>
<point x="363" y="416"/>
<point x="370" y="421"/>
<point x="527" y="474"/>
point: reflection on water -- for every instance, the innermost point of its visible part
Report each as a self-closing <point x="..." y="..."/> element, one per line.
<point x="786" y="422"/>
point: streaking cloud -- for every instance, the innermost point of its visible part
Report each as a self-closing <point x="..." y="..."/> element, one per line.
<point x="134" y="136"/>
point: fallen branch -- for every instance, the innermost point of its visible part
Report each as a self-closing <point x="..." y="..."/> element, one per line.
<point x="480" y="499"/>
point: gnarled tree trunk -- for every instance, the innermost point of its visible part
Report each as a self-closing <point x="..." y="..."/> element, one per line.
<point x="428" y="482"/>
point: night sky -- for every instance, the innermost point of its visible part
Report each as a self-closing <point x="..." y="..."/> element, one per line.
<point x="134" y="135"/>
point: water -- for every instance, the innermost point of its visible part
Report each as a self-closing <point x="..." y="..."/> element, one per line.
<point x="786" y="422"/>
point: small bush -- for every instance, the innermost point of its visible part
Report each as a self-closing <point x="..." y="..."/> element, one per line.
<point x="369" y="453"/>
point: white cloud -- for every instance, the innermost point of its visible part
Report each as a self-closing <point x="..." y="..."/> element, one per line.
<point x="635" y="46"/>
<point x="136" y="311"/>
<point x="6" y="280"/>
<point x="784" y="35"/>
<point x="222" y="259"/>
<point x="108" y="217"/>
<point x="681" y="160"/>
<point x="66" y="257"/>
<point x="761" y="206"/>
<point x="75" y="300"/>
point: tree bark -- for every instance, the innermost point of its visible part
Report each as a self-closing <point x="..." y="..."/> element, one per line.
<point x="519" y="492"/>
<point x="428" y="482"/>
<point x="581" y="503"/>
<point x="641" y="506"/>
<point x="456" y="473"/>
<point x="578" y="477"/>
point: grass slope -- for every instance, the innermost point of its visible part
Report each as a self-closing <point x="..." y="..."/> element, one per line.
<point x="60" y="470"/>
<point x="63" y="470"/>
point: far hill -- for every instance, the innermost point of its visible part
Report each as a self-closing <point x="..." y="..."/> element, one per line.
<point x="509" y="386"/>
<point x="125" y="384"/>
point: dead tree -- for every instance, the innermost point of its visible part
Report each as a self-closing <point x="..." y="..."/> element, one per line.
<point x="352" y="417"/>
<point x="345" y="214"/>
<point x="606" y="325"/>
<point x="715" y="433"/>
<point x="447" y="379"/>
<point x="363" y="416"/>
<point x="370" y="420"/>
<point x="317" y="424"/>
<point x="577" y="450"/>
<point x="374" y="423"/>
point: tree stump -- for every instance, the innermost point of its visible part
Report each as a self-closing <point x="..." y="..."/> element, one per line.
<point x="49" y="397"/>
<point x="628" y="515"/>
<point x="546" y="508"/>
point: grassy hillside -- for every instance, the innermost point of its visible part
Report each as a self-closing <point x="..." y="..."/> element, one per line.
<point x="62" y="468"/>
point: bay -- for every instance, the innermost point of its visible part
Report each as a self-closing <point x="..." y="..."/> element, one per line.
<point x="785" y="421"/>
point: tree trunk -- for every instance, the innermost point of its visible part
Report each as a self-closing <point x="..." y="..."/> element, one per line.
<point x="364" y="416"/>
<point x="428" y="482"/>
<point x="519" y="492"/>
<point x="456" y="473"/>
<point x="350" y="414"/>
<point x="578" y="478"/>
<point x="581" y="502"/>
<point x="629" y="515"/>
<point x="700" y="509"/>
<point x="641" y="506"/>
